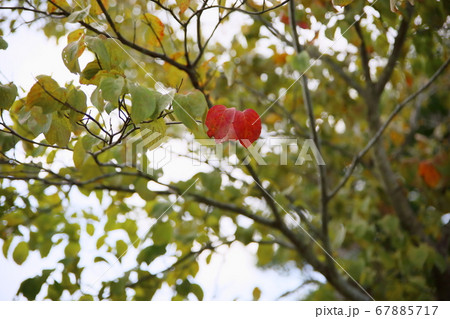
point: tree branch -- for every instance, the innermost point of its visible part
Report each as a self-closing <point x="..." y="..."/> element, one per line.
<point x="381" y="130"/>
<point x="398" y="44"/>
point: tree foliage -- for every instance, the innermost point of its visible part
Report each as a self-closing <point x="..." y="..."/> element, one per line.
<point x="366" y="82"/>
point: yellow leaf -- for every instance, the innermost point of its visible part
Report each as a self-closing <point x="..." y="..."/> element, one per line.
<point x="156" y="26"/>
<point x="342" y="3"/>
<point x="75" y="35"/>
<point x="60" y="3"/>
<point x="397" y="138"/>
<point x="272" y="118"/>
<point x="184" y="5"/>
<point x="95" y="8"/>
<point x="45" y="93"/>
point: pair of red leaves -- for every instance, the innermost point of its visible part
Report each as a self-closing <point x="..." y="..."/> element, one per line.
<point x="229" y="124"/>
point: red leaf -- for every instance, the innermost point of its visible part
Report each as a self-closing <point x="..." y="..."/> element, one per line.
<point x="229" y="124"/>
<point x="429" y="173"/>
<point x="303" y="25"/>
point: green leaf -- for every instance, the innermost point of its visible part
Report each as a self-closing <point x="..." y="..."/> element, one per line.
<point x="143" y="191"/>
<point x="6" y="243"/>
<point x="31" y="287"/>
<point x="197" y="291"/>
<point x="299" y="62"/>
<point x="256" y="294"/>
<point x="264" y="254"/>
<point x="163" y="101"/>
<point x="148" y="254"/>
<point x="418" y="255"/>
<point x="20" y="253"/>
<point x="111" y="88"/>
<point x="59" y="132"/>
<point x="79" y="15"/>
<point x="77" y="100"/>
<point x="342" y="3"/>
<point x="162" y="233"/>
<point x="3" y="44"/>
<point x="189" y="107"/>
<point x="79" y="154"/>
<point x="90" y="229"/>
<point x="97" y="46"/>
<point x="121" y="248"/>
<point x="153" y="133"/>
<point x="38" y="122"/>
<point x="184" y="288"/>
<point x="70" y="55"/>
<point x="97" y="99"/>
<point x="90" y="70"/>
<point x="212" y="181"/>
<point x="8" y="94"/>
<point x="72" y="249"/>
<point x="143" y="103"/>
<point x="47" y="94"/>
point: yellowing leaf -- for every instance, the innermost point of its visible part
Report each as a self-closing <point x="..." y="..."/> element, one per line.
<point x="20" y="253"/>
<point x="8" y="94"/>
<point x="47" y="94"/>
<point x="183" y="4"/>
<point x="342" y="3"/>
<point x="397" y="138"/>
<point x="153" y="133"/>
<point x="75" y="35"/>
<point x="155" y="25"/>
<point x="272" y="118"/>
<point x="59" y="132"/>
<point x="59" y="3"/>
<point x="256" y="294"/>
<point x="95" y="8"/>
<point x="70" y="55"/>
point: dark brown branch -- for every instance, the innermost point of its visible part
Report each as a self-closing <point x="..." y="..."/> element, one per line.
<point x="364" y="54"/>
<point x="396" y="51"/>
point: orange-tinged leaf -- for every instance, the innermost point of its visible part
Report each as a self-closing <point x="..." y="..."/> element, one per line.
<point x="45" y="93"/>
<point x="397" y="138"/>
<point x="75" y="35"/>
<point x="155" y="24"/>
<point x="95" y="8"/>
<point x="272" y="118"/>
<point x="279" y="59"/>
<point x="429" y="173"/>
<point x="61" y="3"/>
<point x="183" y="4"/>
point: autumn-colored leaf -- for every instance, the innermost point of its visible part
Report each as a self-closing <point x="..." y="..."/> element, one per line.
<point x="280" y="58"/>
<point x="342" y="3"/>
<point x="59" y="3"/>
<point x="272" y="118"/>
<point x="155" y="24"/>
<point x="284" y="18"/>
<point x="183" y="4"/>
<point x="229" y="124"/>
<point x="429" y="173"/>
<point x="95" y="8"/>
<point x="303" y="24"/>
<point x="75" y="35"/>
